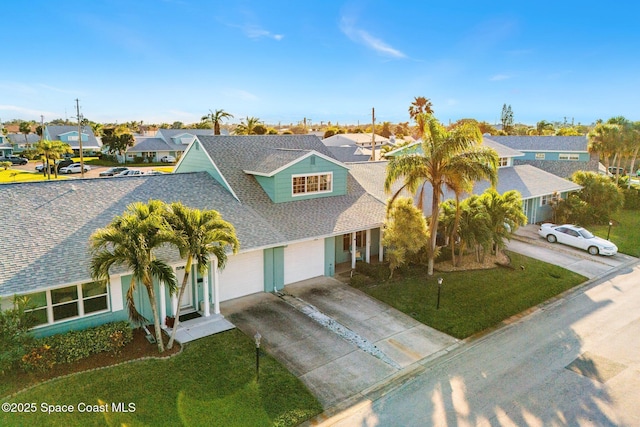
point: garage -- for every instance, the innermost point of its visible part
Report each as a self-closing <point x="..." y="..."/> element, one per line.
<point x="243" y="275"/>
<point x="303" y="261"/>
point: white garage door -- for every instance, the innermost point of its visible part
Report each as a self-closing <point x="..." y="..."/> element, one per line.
<point x="303" y="261"/>
<point x="243" y="275"/>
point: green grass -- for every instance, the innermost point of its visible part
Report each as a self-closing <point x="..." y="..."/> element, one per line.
<point x="211" y="383"/>
<point x="625" y="231"/>
<point x="16" y="175"/>
<point x="473" y="301"/>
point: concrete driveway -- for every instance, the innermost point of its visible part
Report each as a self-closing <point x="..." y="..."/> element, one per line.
<point x="363" y="343"/>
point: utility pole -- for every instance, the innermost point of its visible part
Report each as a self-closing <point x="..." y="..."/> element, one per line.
<point x="80" y="137"/>
<point x="373" y="135"/>
<point x="41" y="127"/>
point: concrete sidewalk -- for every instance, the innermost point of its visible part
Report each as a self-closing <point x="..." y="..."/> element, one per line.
<point x="335" y="369"/>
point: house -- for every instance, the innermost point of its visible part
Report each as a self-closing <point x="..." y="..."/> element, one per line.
<point x="6" y="148"/>
<point x="355" y="147"/>
<point x="69" y="135"/>
<point x="166" y="142"/>
<point x="297" y="212"/>
<point x="536" y="186"/>
<point x="559" y="155"/>
<point x="21" y="141"/>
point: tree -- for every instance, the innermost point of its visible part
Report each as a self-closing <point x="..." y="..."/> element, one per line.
<point x="603" y="139"/>
<point x="118" y="140"/>
<point x="603" y="196"/>
<point x="177" y="125"/>
<point x="506" y="118"/>
<point x="198" y="234"/>
<point x="446" y="158"/>
<point x="25" y="127"/>
<point x="215" y="118"/>
<point x="130" y="241"/>
<point x="420" y="107"/>
<point x="50" y="152"/>
<point x="247" y="126"/>
<point x="543" y="127"/>
<point x="475" y="226"/>
<point x="261" y="129"/>
<point x="405" y="232"/>
<point x="504" y="213"/>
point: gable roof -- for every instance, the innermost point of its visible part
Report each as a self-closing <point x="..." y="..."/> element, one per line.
<point x="55" y="219"/>
<point x="299" y="219"/>
<point x="278" y="159"/>
<point x="147" y="144"/>
<point x="342" y="139"/>
<point x="542" y="143"/>
<point x="18" y="138"/>
<point x="371" y="175"/>
<point x="54" y="133"/>
<point x="349" y="154"/>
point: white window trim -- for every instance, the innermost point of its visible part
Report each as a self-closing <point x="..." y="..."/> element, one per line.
<point x="572" y="157"/>
<point x="307" y="193"/>
<point x="540" y="156"/>
<point x="546" y="197"/>
<point x="81" y="314"/>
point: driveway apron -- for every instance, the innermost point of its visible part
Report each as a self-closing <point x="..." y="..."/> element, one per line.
<point x="380" y="341"/>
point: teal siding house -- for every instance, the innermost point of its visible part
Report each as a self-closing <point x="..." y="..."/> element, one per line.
<point x="298" y="213"/>
<point x="535" y="185"/>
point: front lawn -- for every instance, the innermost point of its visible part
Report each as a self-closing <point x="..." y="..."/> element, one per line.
<point x="17" y="175"/>
<point x="212" y="383"/>
<point x="625" y="231"/>
<point x="472" y="301"/>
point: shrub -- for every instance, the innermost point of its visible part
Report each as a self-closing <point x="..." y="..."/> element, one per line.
<point x="76" y="345"/>
<point x="378" y="272"/>
<point x="15" y="339"/>
<point x="631" y="198"/>
<point x="40" y="359"/>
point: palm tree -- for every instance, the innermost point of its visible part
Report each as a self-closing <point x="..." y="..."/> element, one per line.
<point x="25" y="127"/>
<point x="603" y="140"/>
<point x="198" y="234"/>
<point x="215" y="118"/>
<point x="446" y="159"/>
<point x="50" y="152"/>
<point x="420" y="107"/>
<point x="130" y="241"/>
<point x="504" y="213"/>
<point x="474" y="227"/>
<point x="247" y="126"/>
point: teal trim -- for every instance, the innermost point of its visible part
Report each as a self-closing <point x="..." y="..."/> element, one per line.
<point x="341" y="255"/>
<point x="273" y="268"/>
<point x="330" y="256"/>
<point x="79" y="324"/>
<point x="268" y="185"/>
<point x="554" y="156"/>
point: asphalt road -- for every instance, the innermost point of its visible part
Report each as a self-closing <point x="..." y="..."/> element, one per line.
<point x="575" y="362"/>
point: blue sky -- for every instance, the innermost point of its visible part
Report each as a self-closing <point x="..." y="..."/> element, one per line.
<point x="281" y="61"/>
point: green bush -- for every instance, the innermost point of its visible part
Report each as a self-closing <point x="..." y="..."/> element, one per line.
<point x="631" y="198"/>
<point x="378" y="272"/>
<point x="15" y="339"/>
<point x="76" y="345"/>
<point x="40" y="359"/>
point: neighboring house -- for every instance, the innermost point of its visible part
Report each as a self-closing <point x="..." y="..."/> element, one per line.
<point x="166" y="142"/>
<point x="559" y="155"/>
<point x="6" y="148"/>
<point x="69" y="135"/>
<point x="355" y="147"/>
<point x="21" y="141"/>
<point x="536" y="186"/>
<point x="297" y="212"/>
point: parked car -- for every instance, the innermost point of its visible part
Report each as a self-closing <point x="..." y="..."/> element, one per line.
<point x="614" y="170"/>
<point x="155" y="173"/>
<point x="577" y="237"/>
<point x="15" y="160"/>
<point x="167" y="159"/>
<point x="74" y="168"/>
<point x="130" y="172"/>
<point x="113" y="171"/>
<point x="58" y="164"/>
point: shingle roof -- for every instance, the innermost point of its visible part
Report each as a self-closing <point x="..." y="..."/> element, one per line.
<point x="51" y="222"/>
<point x="502" y="150"/>
<point x="18" y="138"/>
<point x="371" y="175"/>
<point x="543" y="143"/>
<point x="296" y="220"/>
<point x="274" y="159"/>
<point x="151" y="144"/>
<point x="342" y="139"/>
<point x="348" y="154"/>
<point x="56" y="131"/>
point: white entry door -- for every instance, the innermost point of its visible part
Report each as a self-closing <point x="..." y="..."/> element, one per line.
<point x="187" y="298"/>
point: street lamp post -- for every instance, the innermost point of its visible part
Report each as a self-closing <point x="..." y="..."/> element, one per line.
<point x="609" y="230"/>
<point x="440" y="280"/>
<point x="256" y="338"/>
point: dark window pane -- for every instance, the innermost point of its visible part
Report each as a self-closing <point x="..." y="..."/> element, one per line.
<point x="39" y="316"/>
<point x="65" y="311"/>
<point x="95" y="304"/>
<point x="67" y="294"/>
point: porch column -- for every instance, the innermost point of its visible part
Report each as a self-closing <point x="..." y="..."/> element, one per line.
<point x="163" y="304"/>
<point x="380" y="247"/>
<point x="367" y="251"/>
<point x="205" y="292"/>
<point x="174" y="304"/>
<point x="353" y="250"/>
<point x="216" y="287"/>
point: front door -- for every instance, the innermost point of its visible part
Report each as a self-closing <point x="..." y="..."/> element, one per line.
<point x="186" y="302"/>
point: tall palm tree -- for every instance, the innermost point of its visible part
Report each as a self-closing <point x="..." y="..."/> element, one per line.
<point x="247" y="126"/>
<point x="420" y="107"/>
<point x="198" y="234"/>
<point x="603" y="140"/>
<point x="475" y="228"/>
<point x="130" y="240"/>
<point x="216" y="118"/>
<point x="446" y="158"/>
<point x="505" y="215"/>
<point x="50" y="152"/>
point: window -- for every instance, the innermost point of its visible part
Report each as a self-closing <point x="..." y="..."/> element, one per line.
<point x="503" y="161"/>
<point x="539" y="156"/>
<point x="361" y="240"/>
<point x="569" y="156"/>
<point x="71" y="301"/>
<point x="316" y="183"/>
<point x="544" y="200"/>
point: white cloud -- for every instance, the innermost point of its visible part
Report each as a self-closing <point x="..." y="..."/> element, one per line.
<point x="29" y="111"/>
<point x="363" y="37"/>
<point x="257" y="32"/>
<point x="499" y="77"/>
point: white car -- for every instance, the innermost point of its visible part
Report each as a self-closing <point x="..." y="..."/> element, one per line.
<point x="167" y="159"/>
<point x="577" y="237"/>
<point x="74" y="168"/>
<point x="130" y="172"/>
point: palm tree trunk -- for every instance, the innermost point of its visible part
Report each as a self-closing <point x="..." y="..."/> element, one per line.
<point x="183" y="286"/>
<point x="154" y="310"/>
<point x="433" y="229"/>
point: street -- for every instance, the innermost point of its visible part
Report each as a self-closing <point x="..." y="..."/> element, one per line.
<point x="575" y="362"/>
